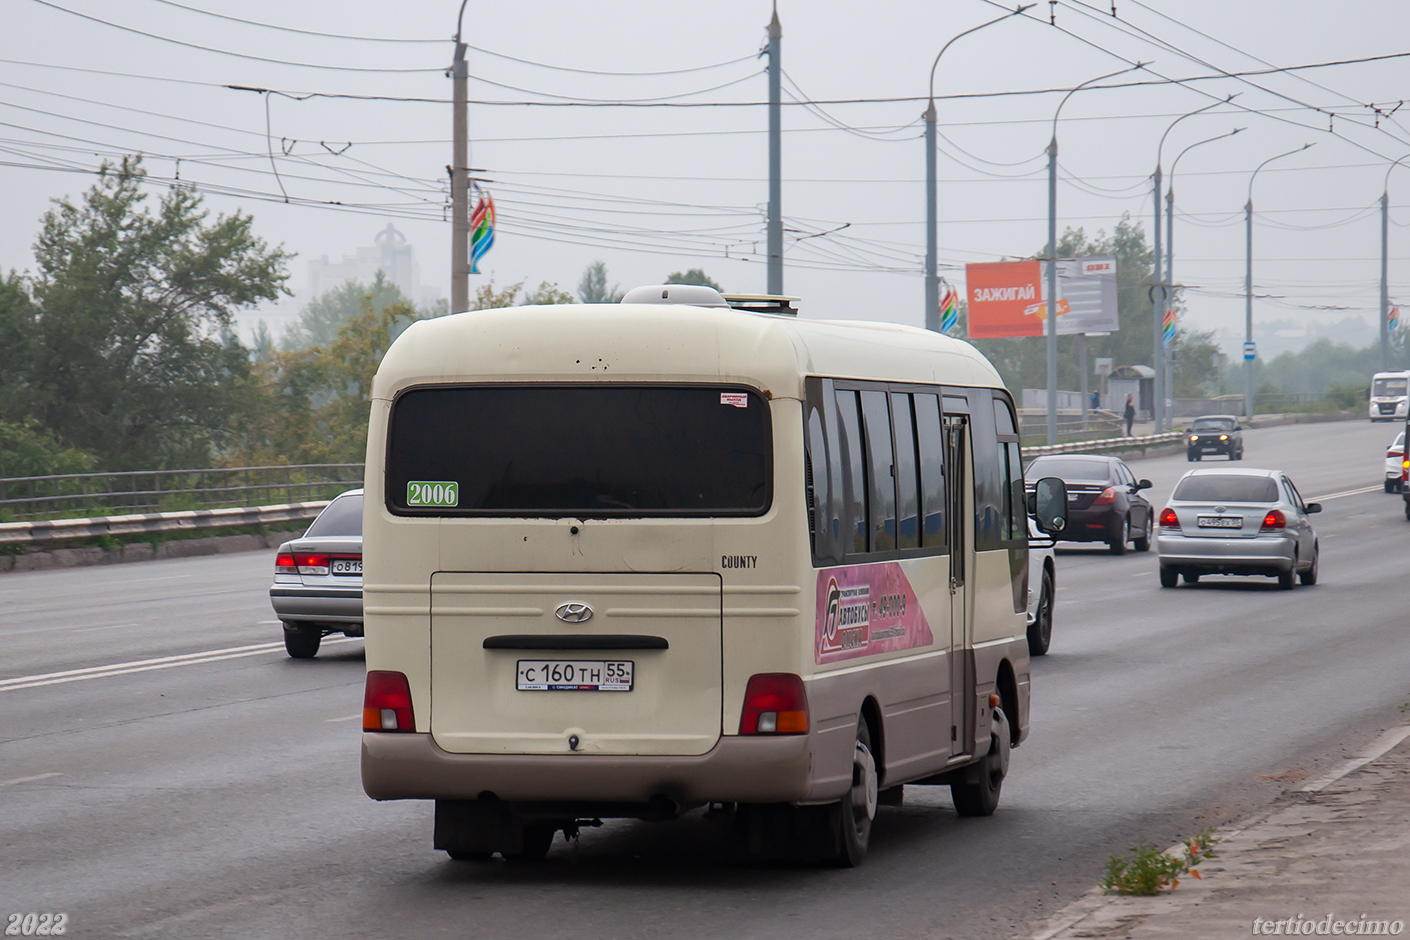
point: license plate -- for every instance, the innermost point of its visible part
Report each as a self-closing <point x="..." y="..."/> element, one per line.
<point x="347" y="566"/>
<point x="1221" y="522"/>
<point x="574" y="675"/>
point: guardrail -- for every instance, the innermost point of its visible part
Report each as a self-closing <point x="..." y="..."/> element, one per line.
<point x="137" y="491"/>
<point x="1106" y="443"/>
<point x="40" y="532"/>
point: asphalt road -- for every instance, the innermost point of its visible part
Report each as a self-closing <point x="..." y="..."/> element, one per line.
<point x="180" y="777"/>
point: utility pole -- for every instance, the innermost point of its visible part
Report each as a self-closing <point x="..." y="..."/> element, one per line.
<point x="775" y="226"/>
<point x="932" y="275"/>
<point x="1248" y="281"/>
<point x="1051" y="323"/>
<point x="1170" y="253"/>
<point x="1160" y="295"/>
<point x="459" y="180"/>
<point x="1158" y="314"/>
<point x="1248" y="304"/>
<point x="1167" y="360"/>
<point x="1385" y="288"/>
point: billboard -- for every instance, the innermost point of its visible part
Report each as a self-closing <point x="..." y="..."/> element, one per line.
<point x="1009" y="298"/>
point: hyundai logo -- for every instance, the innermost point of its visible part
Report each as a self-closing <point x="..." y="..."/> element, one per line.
<point x="573" y="612"/>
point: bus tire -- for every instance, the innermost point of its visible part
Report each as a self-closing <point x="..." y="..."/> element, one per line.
<point x="848" y="821"/>
<point x="978" y="793"/>
<point x="538" y="839"/>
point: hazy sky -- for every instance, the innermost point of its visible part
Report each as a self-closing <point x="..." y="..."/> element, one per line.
<point x="653" y="189"/>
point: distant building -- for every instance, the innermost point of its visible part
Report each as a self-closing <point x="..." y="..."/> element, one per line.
<point x="393" y="255"/>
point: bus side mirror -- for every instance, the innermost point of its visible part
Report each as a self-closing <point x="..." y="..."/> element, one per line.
<point x="1050" y="504"/>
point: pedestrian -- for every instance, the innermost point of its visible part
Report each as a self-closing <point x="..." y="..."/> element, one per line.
<point x="1096" y="400"/>
<point x="1130" y="413"/>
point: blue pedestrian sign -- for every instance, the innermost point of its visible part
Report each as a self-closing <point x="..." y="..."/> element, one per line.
<point x="1250" y="351"/>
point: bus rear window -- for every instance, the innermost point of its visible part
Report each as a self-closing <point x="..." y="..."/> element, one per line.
<point x="580" y="451"/>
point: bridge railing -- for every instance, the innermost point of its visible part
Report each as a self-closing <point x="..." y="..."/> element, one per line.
<point x="77" y="495"/>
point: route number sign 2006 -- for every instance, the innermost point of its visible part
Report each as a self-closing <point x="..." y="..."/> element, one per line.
<point x="558" y="675"/>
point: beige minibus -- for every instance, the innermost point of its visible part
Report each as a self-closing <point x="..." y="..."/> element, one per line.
<point x="687" y="552"/>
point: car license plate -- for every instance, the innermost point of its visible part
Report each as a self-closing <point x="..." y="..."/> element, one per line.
<point x="347" y="566"/>
<point x="574" y="675"/>
<point x="1221" y="522"/>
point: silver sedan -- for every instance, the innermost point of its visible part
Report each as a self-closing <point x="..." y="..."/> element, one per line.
<point x="1239" y="522"/>
<point x="317" y="586"/>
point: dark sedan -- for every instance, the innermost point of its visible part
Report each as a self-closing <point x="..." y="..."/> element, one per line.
<point x="1215" y="434"/>
<point x="1104" y="501"/>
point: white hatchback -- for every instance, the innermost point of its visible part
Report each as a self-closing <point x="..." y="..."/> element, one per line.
<point x="1395" y="457"/>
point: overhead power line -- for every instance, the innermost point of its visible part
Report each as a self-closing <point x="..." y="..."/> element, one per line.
<point x="238" y="55"/>
<point x="291" y="29"/>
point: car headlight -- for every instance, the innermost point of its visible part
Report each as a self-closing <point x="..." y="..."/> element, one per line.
<point x="1223" y="437"/>
<point x="1193" y="438"/>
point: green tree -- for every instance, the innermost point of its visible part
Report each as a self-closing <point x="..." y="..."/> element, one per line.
<point x="694" y="276"/>
<point x="129" y="354"/>
<point x="311" y="405"/>
<point x="487" y="298"/>
<point x="29" y="450"/>
<point x="18" y="318"/>
<point x="549" y="293"/>
<point x="322" y="318"/>
<point x="593" y="289"/>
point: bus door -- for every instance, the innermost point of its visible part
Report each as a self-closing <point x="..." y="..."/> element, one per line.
<point x="959" y="514"/>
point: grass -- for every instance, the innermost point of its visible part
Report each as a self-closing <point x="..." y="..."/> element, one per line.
<point x="1148" y="870"/>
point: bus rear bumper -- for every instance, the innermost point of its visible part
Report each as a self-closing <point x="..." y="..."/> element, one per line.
<point x="738" y="769"/>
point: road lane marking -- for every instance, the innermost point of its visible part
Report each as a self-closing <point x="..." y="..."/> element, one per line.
<point x="147" y="665"/>
<point x="10" y="783"/>
<point x="1364" y="489"/>
<point x="345" y="717"/>
<point x="1374" y="750"/>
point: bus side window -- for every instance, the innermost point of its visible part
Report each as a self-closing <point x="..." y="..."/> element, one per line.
<point x="907" y="484"/>
<point x="932" y="469"/>
<point x="854" y="487"/>
<point x="1013" y="524"/>
<point x="988" y="478"/>
<point x="882" y="478"/>
<point x="819" y="488"/>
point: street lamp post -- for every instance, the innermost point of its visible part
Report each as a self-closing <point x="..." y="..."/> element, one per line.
<point x="1158" y="291"/>
<point x="1050" y="327"/>
<point x="1385" y="287"/>
<point x="1170" y="250"/>
<point x="932" y="276"/>
<point x="459" y="177"/>
<point x="1248" y="281"/>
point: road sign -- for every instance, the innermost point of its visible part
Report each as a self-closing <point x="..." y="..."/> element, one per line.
<point x="1250" y="351"/>
<point x="1103" y="366"/>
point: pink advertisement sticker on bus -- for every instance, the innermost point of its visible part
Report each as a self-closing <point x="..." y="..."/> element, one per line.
<point x="867" y="609"/>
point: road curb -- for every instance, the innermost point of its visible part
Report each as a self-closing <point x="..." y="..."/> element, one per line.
<point x="1098" y="914"/>
<point x="140" y="551"/>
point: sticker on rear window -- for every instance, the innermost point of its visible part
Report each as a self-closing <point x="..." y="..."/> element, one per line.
<point x="432" y="493"/>
<point x="738" y="399"/>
